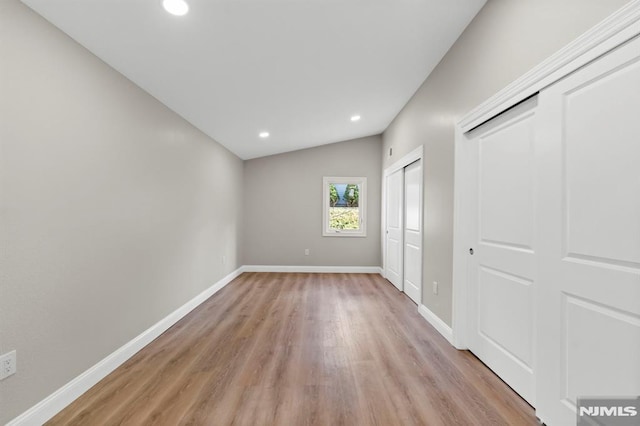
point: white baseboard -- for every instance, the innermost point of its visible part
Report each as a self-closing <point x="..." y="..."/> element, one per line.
<point x="54" y="403"/>
<point x="437" y="323"/>
<point x="320" y="269"/>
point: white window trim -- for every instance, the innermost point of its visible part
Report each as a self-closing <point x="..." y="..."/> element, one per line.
<point x="328" y="232"/>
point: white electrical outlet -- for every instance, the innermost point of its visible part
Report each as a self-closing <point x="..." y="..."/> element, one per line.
<point x="224" y="259"/>
<point x="7" y="365"/>
<point x="435" y="287"/>
<point x="306" y="252"/>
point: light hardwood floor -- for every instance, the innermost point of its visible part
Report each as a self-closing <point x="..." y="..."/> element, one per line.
<point x="301" y="349"/>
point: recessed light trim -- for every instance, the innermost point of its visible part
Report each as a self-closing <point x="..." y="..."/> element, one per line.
<point x="355" y="117"/>
<point x="176" y="7"/>
<point x="263" y="135"/>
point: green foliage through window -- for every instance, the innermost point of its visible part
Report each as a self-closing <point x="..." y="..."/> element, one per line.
<point x="352" y="195"/>
<point x="333" y="195"/>
<point x="344" y="218"/>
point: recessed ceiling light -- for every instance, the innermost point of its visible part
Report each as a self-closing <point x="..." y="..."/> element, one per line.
<point x="355" y="118"/>
<point x="264" y="135"/>
<point x="176" y="7"/>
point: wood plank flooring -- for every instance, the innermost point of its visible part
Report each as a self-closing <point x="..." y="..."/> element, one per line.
<point x="301" y="349"/>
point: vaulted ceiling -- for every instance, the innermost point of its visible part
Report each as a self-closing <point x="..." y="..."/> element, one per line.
<point x="297" y="69"/>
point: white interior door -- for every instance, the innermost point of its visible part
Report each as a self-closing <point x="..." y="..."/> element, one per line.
<point x="589" y="305"/>
<point x="502" y="268"/>
<point x="394" y="226"/>
<point x="413" y="231"/>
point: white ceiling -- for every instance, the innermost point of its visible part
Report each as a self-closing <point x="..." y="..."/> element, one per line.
<point x="298" y="69"/>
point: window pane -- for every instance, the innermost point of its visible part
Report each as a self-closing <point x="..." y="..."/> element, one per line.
<point x="344" y="211"/>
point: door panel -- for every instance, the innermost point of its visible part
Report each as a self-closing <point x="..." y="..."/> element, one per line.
<point x="600" y="165"/>
<point x="586" y="321"/>
<point x="506" y="189"/>
<point x="503" y="296"/>
<point x="394" y="218"/>
<point x="503" y="268"/>
<point x="589" y="185"/>
<point x="413" y="231"/>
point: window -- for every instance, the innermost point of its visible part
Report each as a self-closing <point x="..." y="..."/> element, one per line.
<point x="344" y="201"/>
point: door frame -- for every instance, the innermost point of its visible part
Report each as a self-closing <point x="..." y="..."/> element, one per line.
<point x="462" y="237"/>
<point x="411" y="157"/>
<point x="613" y="31"/>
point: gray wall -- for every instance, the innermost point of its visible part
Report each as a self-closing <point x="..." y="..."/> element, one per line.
<point x="506" y="39"/>
<point x="283" y="206"/>
<point x="114" y="211"/>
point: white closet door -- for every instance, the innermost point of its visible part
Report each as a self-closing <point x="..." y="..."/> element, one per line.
<point x="502" y="272"/>
<point x="589" y="212"/>
<point x="413" y="231"/>
<point x="394" y="226"/>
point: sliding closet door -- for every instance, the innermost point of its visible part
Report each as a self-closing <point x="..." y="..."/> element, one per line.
<point x="502" y="250"/>
<point x="394" y="228"/>
<point x="588" y="145"/>
<point x="413" y="231"/>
